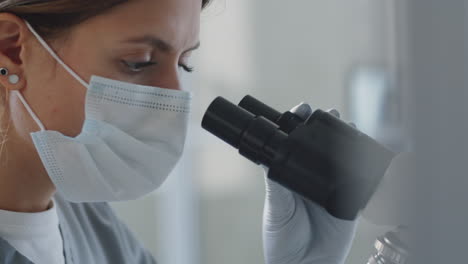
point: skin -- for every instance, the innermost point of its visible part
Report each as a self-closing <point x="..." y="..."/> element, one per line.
<point x="95" y="47"/>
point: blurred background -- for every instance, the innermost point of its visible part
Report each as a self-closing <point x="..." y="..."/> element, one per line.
<point x="348" y="55"/>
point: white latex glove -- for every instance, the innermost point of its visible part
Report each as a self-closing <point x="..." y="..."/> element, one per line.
<point x="296" y="230"/>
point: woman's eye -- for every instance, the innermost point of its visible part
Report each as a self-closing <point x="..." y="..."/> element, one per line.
<point x="186" y="68"/>
<point x="137" y="66"/>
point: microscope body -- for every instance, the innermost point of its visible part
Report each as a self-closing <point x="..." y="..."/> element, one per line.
<point x="332" y="163"/>
<point x="321" y="158"/>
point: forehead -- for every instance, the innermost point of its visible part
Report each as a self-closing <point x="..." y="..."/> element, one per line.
<point x="175" y="21"/>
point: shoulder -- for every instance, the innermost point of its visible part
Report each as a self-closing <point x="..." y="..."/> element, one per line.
<point x="95" y="229"/>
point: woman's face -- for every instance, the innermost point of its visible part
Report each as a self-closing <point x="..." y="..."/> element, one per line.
<point x="146" y="42"/>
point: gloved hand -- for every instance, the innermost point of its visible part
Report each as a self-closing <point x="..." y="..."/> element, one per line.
<point x="298" y="231"/>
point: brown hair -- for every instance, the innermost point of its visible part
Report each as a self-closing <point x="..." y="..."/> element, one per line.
<point x="51" y="18"/>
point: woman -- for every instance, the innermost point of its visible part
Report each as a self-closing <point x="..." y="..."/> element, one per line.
<point x="93" y="111"/>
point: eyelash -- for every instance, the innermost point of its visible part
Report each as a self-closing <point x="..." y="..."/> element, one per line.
<point x="186" y="68"/>
<point x="140" y="65"/>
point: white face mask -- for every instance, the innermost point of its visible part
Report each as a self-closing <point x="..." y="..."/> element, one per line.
<point x="132" y="138"/>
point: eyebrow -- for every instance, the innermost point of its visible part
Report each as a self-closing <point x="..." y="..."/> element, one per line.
<point x="158" y="43"/>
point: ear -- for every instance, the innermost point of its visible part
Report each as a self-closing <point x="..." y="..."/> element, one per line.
<point x="13" y="33"/>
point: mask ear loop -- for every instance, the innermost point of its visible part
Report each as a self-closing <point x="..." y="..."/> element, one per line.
<point x="57" y="58"/>
<point x="54" y="55"/>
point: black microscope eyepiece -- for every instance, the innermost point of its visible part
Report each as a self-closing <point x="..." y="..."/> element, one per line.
<point x="255" y="136"/>
<point x="227" y="121"/>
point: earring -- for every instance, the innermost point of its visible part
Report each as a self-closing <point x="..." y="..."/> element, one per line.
<point x="3" y="71"/>
<point x="13" y="79"/>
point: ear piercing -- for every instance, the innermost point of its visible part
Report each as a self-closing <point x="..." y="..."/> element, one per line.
<point x="3" y="71"/>
<point x="13" y="78"/>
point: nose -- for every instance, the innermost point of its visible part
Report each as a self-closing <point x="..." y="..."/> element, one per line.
<point x="168" y="79"/>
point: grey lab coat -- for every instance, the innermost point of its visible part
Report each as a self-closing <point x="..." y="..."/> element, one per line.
<point x="91" y="233"/>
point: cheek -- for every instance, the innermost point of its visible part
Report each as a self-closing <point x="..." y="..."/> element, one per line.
<point x="66" y="96"/>
<point x="66" y="106"/>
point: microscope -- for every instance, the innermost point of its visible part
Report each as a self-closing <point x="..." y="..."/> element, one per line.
<point x="321" y="158"/>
